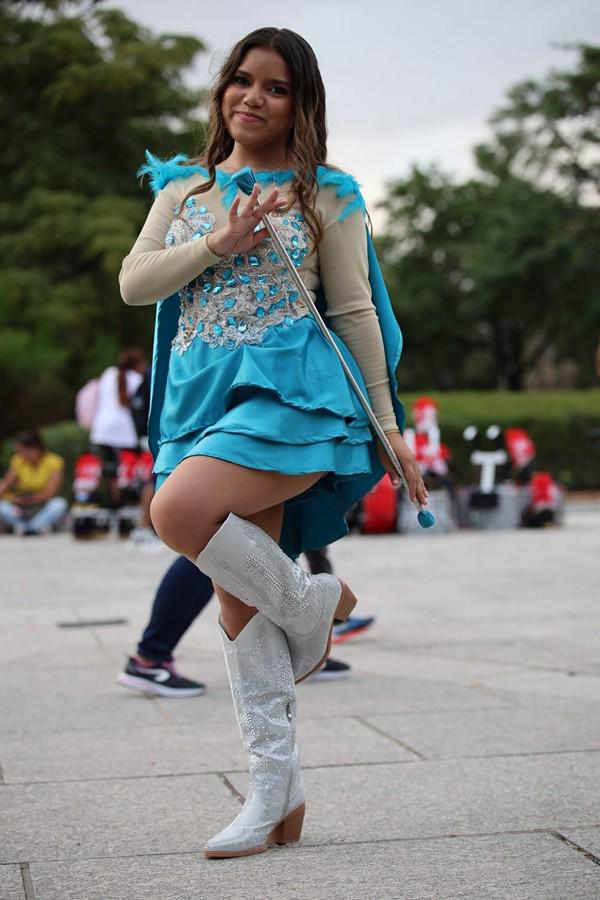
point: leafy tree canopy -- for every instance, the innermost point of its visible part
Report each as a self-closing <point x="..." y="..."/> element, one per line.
<point x="496" y="275"/>
<point x="86" y="91"/>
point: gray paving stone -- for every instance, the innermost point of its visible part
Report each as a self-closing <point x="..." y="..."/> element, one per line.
<point x="503" y="867"/>
<point x="181" y="749"/>
<point x="548" y="684"/>
<point x="11" y="883"/>
<point x="64" y="699"/>
<point x="566" y="652"/>
<point x="547" y="728"/>
<point x="425" y="799"/>
<point x="374" y="656"/>
<point x="112" y="818"/>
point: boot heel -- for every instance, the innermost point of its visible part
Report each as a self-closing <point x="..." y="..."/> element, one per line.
<point x="346" y="604"/>
<point x="290" y="828"/>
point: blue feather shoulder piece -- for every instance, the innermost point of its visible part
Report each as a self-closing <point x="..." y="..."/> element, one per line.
<point x="345" y="186"/>
<point x="162" y="171"/>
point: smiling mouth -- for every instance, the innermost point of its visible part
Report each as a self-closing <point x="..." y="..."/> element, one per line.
<point x="248" y="117"/>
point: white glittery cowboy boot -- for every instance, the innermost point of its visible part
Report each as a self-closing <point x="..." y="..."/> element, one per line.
<point x="245" y="561"/>
<point x="262" y="686"/>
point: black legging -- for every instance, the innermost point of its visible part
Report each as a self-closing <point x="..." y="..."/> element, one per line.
<point x="182" y="595"/>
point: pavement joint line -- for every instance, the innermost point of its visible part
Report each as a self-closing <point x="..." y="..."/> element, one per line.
<point x="27" y="881"/>
<point x="389" y="737"/>
<point x="324" y="845"/>
<point x="520" y="666"/>
<point x="25" y="732"/>
<point x="307" y="768"/>
<point x="2" y="781"/>
<point x="577" y="847"/>
<point x="231" y="787"/>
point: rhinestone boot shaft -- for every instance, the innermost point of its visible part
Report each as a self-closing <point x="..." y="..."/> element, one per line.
<point x="262" y="686"/>
<point x="245" y="561"/>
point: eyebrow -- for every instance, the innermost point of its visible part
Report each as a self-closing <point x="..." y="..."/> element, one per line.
<point x="272" y="80"/>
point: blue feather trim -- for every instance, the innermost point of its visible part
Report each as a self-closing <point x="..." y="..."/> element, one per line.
<point x="161" y="172"/>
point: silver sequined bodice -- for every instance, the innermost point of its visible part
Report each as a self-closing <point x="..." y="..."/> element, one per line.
<point x="237" y="300"/>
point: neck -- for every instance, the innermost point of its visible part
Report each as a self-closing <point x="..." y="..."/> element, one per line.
<point x="268" y="159"/>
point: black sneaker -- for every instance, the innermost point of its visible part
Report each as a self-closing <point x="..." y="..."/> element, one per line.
<point x="332" y="669"/>
<point x="161" y="678"/>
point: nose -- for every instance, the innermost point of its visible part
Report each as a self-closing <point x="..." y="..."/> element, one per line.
<point x="252" y="97"/>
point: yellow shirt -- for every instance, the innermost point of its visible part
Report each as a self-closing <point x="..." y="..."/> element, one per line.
<point x="31" y="479"/>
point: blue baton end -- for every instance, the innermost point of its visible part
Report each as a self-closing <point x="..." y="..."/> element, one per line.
<point x="244" y="179"/>
<point x="425" y="518"/>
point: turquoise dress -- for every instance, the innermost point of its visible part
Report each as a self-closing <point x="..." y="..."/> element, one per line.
<point x="254" y="382"/>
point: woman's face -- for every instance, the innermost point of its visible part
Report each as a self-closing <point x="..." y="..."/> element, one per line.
<point x="258" y="106"/>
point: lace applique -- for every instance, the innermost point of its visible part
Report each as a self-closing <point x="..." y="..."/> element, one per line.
<point x="236" y="301"/>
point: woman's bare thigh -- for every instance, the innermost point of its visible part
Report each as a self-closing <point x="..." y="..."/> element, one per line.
<point x="199" y="495"/>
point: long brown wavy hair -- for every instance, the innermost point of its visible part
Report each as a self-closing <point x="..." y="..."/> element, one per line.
<point x="307" y="145"/>
<point x="131" y="358"/>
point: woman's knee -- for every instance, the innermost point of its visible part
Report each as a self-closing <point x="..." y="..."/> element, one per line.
<point x="180" y="523"/>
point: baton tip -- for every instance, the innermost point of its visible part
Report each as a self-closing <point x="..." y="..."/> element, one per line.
<point x="425" y="518"/>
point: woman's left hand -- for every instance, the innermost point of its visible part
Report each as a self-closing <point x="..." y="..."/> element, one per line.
<point x="416" y="488"/>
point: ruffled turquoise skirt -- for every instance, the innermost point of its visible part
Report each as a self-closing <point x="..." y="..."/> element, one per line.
<point x="283" y="406"/>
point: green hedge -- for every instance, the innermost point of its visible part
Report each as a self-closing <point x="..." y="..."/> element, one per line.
<point x="560" y="422"/>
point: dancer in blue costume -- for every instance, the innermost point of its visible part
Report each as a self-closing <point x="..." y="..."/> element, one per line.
<point x="260" y="445"/>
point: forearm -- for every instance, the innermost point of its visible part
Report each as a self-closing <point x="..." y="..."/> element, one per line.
<point x="150" y="275"/>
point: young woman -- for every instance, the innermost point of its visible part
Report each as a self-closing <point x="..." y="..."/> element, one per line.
<point x="260" y="444"/>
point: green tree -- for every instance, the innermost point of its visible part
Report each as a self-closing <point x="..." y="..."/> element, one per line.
<point x="491" y="276"/>
<point x="549" y="130"/>
<point x="84" y="95"/>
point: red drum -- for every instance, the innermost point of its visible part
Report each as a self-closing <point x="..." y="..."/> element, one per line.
<point x="379" y="511"/>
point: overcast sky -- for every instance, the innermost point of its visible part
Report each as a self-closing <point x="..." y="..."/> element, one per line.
<point x="408" y="81"/>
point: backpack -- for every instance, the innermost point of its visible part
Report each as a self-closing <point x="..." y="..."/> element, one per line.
<point x="86" y="401"/>
<point x="139" y="405"/>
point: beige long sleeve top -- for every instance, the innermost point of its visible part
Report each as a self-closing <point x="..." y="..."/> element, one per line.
<point x="154" y="269"/>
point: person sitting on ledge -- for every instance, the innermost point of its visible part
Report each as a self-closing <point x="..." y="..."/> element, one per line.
<point x="30" y="503"/>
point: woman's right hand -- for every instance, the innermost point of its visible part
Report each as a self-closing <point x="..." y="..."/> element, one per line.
<point x="240" y="235"/>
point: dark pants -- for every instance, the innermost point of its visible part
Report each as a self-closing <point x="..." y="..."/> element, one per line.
<point x="180" y="598"/>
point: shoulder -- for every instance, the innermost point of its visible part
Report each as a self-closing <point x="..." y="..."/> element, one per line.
<point x="53" y="461"/>
<point x="174" y="173"/>
<point x="340" y="193"/>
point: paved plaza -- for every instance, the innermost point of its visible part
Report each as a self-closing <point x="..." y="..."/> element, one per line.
<point x="461" y="759"/>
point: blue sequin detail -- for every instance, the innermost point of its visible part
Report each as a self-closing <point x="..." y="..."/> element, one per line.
<point x="243" y="281"/>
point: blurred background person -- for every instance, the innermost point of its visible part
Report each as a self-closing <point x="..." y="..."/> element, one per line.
<point x="30" y="503"/>
<point x="113" y="428"/>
